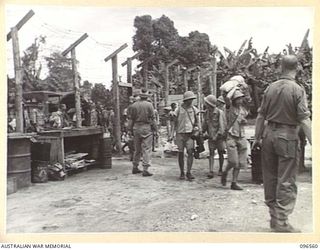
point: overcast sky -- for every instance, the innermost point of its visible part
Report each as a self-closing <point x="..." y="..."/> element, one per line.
<point x="109" y="28"/>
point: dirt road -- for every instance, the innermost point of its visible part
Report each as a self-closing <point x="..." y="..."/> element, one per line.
<point x="114" y="200"/>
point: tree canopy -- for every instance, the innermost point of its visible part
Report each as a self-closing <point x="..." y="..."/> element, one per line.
<point x="31" y="66"/>
<point x="60" y="74"/>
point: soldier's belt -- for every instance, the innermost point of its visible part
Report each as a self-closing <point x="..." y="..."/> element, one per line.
<point x="280" y="125"/>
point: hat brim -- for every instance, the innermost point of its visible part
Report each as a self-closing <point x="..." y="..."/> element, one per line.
<point x="144" y="95"/>
<point x="186" y="99"/>
<point x="240" y="96"/>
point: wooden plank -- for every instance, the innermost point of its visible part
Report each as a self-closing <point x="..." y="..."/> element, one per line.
<point x="21" y="23"/>
<point x="72" y="132"/>
<point x="125" y="84"/>
<point x="116" y="52"/>
<point x="75" y="44"/>
<point x="131" y="58"/>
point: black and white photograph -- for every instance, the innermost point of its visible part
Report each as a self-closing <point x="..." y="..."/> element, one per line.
<point x="159" y="119"/>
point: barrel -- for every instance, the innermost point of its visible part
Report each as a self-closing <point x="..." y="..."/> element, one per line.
<point x="106" y="153"/>
<point x="19" y="159"/>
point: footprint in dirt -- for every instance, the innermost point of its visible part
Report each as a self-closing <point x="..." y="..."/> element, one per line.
<point x="66" y="202"/>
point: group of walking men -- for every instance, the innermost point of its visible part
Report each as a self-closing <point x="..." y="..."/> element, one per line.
<point x="282" y="113"/>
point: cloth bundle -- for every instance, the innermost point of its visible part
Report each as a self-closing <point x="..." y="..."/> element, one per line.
<point x="234" y="83"/>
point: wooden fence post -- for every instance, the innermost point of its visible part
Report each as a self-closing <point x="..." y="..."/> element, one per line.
<point x="18" y="71"/>
<point x="114" y="60"/>
<point x="76" y="84"/>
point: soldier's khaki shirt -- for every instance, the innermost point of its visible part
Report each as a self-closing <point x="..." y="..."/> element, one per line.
<point x="284" y="102"/>
<point x="186" y="118"/>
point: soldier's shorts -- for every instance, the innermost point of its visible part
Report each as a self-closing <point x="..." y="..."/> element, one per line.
<point x="237" y="151"/>
<point x="217" y="144"/>
<point x="183" y="141"/>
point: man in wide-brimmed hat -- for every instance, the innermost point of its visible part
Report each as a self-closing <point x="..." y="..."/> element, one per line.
<point x="236" y="141"/>
<point x="142" y="124"/>
<point x="186" y="121"/>
<point x="214" y="126"/>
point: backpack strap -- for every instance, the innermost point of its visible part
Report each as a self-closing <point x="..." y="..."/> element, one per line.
<point x="189" y="115"/>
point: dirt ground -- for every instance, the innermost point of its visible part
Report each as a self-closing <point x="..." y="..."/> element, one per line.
<point x="114" y="200"/>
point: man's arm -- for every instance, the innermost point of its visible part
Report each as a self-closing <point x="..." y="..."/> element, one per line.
<point x="303" y="114"/>
<point x="258" y="131"/>
<point x="306" y="127"/>
<point x="259" y="127"/>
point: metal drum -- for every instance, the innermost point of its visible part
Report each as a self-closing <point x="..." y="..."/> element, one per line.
<point x="19" y="159"/>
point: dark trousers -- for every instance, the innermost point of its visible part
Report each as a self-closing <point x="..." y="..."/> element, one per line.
<point x="280" y="160"/>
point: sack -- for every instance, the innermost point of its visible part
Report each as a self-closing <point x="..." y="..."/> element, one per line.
<point x="229" y="85"/>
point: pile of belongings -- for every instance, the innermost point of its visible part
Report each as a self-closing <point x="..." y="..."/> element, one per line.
<point x="235" y="83"/>
<point x="56" y="172"/>
<point x="75" y="161"/>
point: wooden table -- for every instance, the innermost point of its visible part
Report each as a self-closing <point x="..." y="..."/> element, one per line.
<point x="84" y="140"/>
